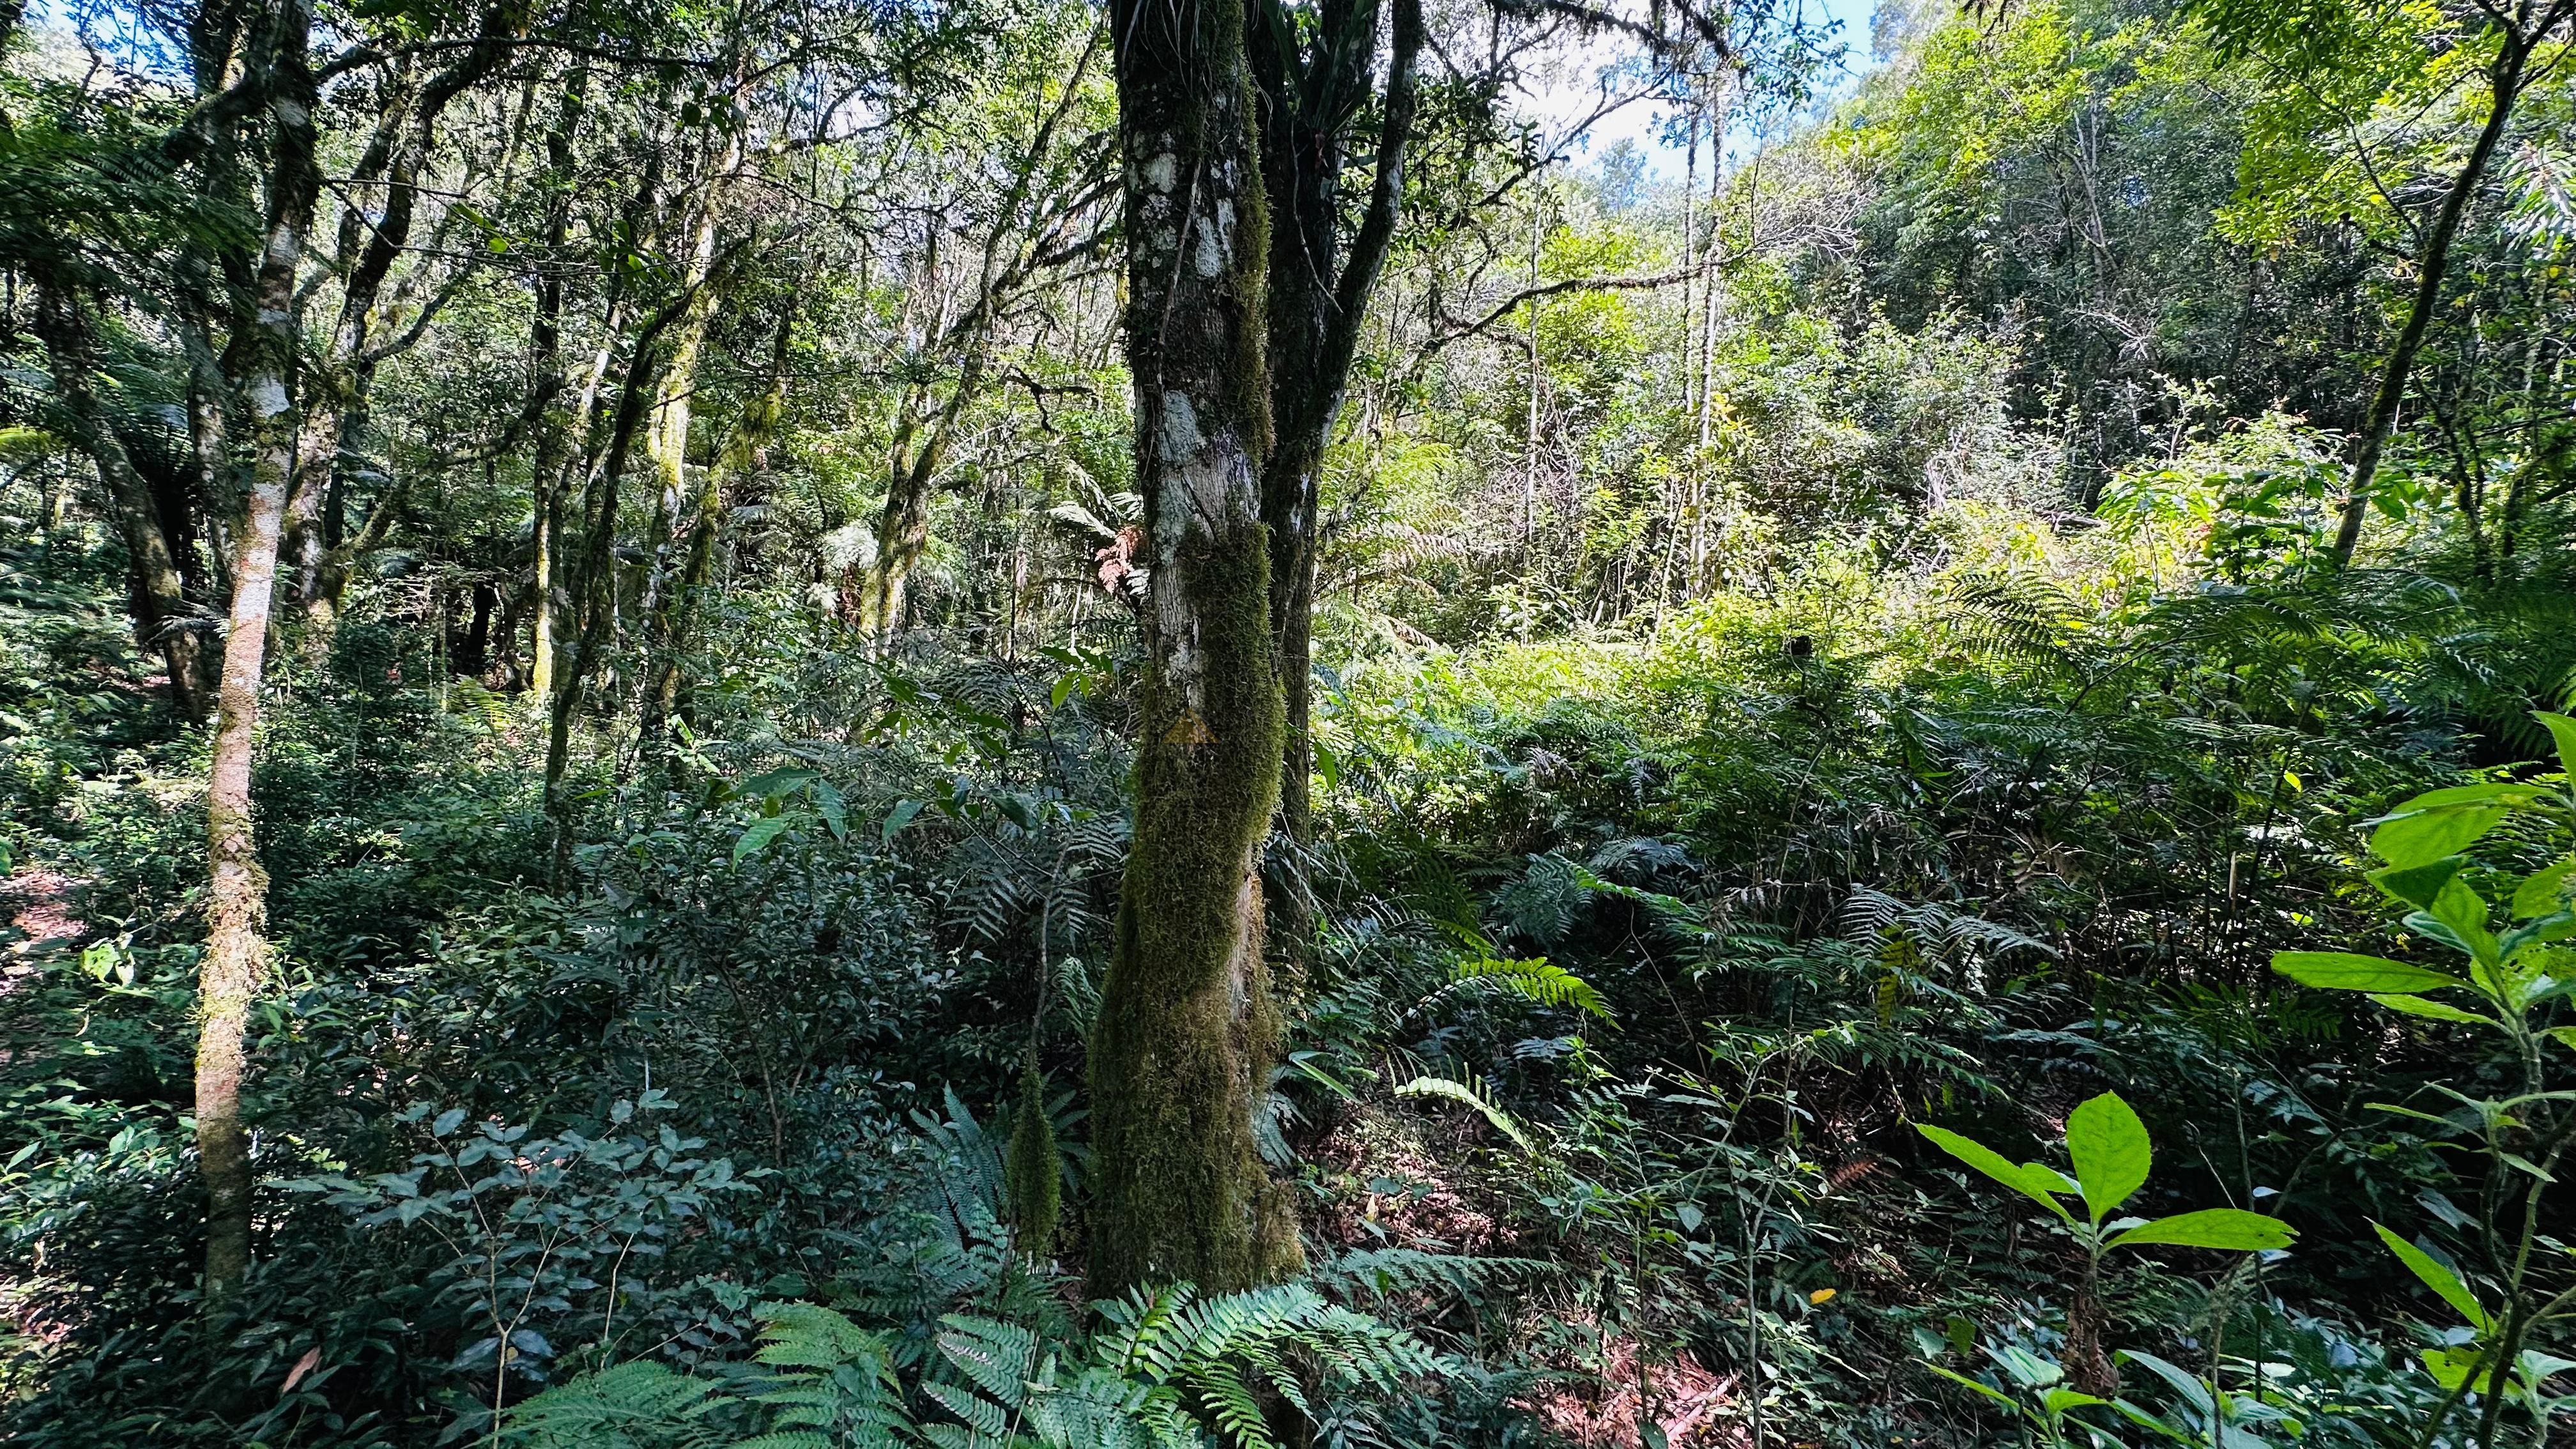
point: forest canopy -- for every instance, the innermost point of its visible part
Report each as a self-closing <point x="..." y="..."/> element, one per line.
<point x="777" y="724"/>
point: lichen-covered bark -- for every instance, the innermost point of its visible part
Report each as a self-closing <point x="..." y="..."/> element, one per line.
<point x="236" y="961"/>
<point x="1186" y="1029"/>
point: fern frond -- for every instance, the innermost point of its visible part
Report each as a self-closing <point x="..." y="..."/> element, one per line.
<point x="634" y="1403"/>
<point x="1472" y="1093"/>
<point x="990" y="1421"/>
<point x="1539" y="979"/>
<point x="996" y="1356"/>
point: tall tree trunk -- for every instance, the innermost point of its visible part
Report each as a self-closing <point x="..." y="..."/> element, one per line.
<point x="666" y="436"/>
<point x="163" y="621"/>
<point x="594" y="586"/>
<point x="236" y="961"/>
<point x="1317" y="300"/>
<point x="1186" y="1029"/>
<point x="2506" y="78"/>
<point x="545" y="376"/>
<point x="741" y="453"/>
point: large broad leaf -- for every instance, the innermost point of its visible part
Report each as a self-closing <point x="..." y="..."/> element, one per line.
<point x="2345" y="971"/>
<point x="2436" y="1277"/>
<point x="777" y="784"/>
<point x="2035" y="1185"/>
<point x="2452" y="1366"/>
<point x="2230" y="1229"/>
<point x="2543" y="892"/>
<point x="2430" y="1010"/>
<point x="2111" y="1152"/>
<point x="2418" y="885"/>
<point x="2563" y="730"/>
<point x="2465" y="912"/>
<point x="2421" y="836"/>
<point x="760" y="834"/>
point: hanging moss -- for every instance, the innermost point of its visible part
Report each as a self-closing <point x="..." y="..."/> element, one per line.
<point x="1033" y="1172"/>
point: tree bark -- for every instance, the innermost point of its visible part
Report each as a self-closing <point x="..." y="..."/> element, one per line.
<point x="545" y="372"/>
<point x="235" y="965"/>
<point x="1317" y="300"/>
<point x="594" y="580"/>
<point x="163" y="621"/>
<point x="2505" y="77"/>
<point x="1186" y="1028"/>
<point x="706" y="514"/>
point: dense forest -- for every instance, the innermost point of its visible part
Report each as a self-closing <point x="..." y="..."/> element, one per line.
<point x="772" y="724"/>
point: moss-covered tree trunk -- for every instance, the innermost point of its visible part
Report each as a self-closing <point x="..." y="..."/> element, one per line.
<point x="1186" y="1029"/>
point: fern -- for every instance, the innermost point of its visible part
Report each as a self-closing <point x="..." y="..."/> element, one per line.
<point x="1384" y="1272"/>
<point x="1474" y="1094"/>
<point x="1539" y="979"/>
<point x="1164" y="1370"/>
<point x="640" y="1405"/>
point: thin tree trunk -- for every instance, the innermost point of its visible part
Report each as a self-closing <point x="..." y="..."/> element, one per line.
<point x="1186" y="1028"/>
<point x="2506" y="80"/>
<point x="705" y="523"/>
<point x="594" y="583"/>
<point x="163" y="621"/>
<point x="666" y="437"/>
<point x="235" y="965"/>
<point x="545" y="370"/>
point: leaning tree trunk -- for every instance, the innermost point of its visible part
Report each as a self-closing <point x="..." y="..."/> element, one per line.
<point x="236" y="960"/>
<point x="2506" y="78"/>
<point x="162" y="621"/>
<point x="1186" y="1028"/>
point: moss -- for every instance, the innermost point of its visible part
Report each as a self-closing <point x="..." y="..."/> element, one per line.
<point x="1187" y="1028"/>
<point x="1034" y="1169"/>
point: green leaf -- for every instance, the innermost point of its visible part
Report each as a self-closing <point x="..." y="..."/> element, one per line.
<point x="834" y="809"/>
<point x="2563" y="730"/>
<point x="760" y="834"/>
<point x="899" y="817"/>
<point x="2423" y="836"/>
<point x="2431" y="1010"/>
<point x="2111" y="1152"/>
<point x="2345" y="971"/>
<point x="2438" y="1278"/>
<point x="2451" y="1367"/>
<point x="777" y="783"/>
<point x="2464" y="911"/>
<point x="2228" y="1229"/>
<point x="2059" y="1400"/>
<point x="1965" y="1382"/>
<point x="2543" y="892"/>
<point x="2419" y="885"/>
<point x="1993" y="1164"/>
